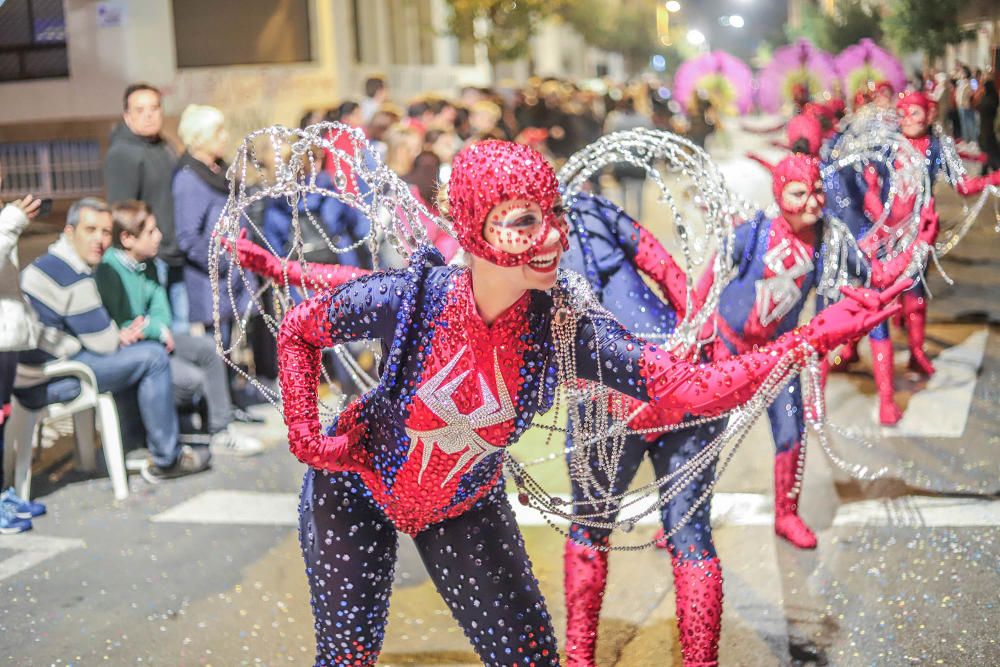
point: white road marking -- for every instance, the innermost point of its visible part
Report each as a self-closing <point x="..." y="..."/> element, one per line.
<point x="248" y="508"/>
<point x="925" y="511"/>
<point x="940" y="410"/>
<point x="32" y="550"/>
<point x="245" y="508"/>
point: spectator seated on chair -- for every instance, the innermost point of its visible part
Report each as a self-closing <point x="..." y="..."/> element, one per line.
<point x="127" y="282"/>
<point x="75" y="325"/>
<point x="18" y="329"/>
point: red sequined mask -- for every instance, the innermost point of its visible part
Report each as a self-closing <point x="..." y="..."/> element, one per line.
<point x="916" y="99"/>
<point x="794" y="168"/>
<point x="491" y="172"/>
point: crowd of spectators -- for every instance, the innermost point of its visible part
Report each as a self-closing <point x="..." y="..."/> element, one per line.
<point x="967" y="104"/>
<point x="125" y="290"/>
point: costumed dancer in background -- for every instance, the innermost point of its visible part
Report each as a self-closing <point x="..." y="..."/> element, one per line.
<point x="613" y="251"/>
<point x="778" y="261"/>
<point x="863" y="209"/>
<point x="469" y="356"/>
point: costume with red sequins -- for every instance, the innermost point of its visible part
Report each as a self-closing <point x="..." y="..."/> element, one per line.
<point x="613" y="252"/>
<point x="422" y="451"/>
<point x="425" y="446"/>
<point x="859" y="199"/>
<point x="775" y="271"/>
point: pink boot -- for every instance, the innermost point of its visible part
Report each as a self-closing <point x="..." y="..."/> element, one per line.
<point x="699" y="609"/>
<point x="586" y="576"/>
<point x="787" y="523"/>
<point x="915" y="314"/>
<point x="882" y="369"/>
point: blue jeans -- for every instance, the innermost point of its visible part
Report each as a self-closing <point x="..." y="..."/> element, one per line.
<point x="970" y="124"/>
<point x="142" y="367"/>
<point x="172" y="278"/>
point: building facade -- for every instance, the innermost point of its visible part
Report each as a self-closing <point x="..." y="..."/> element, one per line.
<point x="65" y="63"/>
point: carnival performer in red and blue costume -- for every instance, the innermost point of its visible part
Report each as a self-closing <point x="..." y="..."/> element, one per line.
<point x="613" y="252"/>
<point x="861" y="202"/>
<point x="469" y="357"/>
<point x="778" y="261"/>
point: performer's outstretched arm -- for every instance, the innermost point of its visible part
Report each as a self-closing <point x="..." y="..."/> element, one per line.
<point x="317" y="276"/>
<point x="607" y="353"/>
<point x="650" y="257"/>
<point x="973" y="186"/>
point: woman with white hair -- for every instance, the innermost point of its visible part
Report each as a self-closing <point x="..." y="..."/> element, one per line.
<point x="200" y="191"/>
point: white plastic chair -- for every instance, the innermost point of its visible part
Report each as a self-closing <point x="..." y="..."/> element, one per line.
<point x="23" y="427"/>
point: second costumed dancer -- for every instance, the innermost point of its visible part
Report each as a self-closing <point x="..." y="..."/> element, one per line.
<point x="612" y="250"/>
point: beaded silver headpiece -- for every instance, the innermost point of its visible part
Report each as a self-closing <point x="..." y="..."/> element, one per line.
<point x="280" y="163"/>
<point x="698" y="206"/>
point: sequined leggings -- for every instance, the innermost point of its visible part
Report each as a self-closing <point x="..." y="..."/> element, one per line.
<point x="477" y="562"/>
<point x="787" y="417"/>
<point x="668" y="453"/>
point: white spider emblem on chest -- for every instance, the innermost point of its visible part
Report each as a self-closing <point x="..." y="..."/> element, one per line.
<point x="777" y="295"/>
<point x="459" y="430"/>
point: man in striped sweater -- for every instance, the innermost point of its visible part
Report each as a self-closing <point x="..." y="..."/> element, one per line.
<point x="75" y="325"/>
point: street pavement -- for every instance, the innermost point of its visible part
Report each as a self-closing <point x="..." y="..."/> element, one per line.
<point x="207" y="571"/>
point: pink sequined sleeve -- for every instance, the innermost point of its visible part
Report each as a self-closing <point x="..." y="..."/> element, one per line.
<point x="973" y="186"/>
<point x="609" y="354"/>
<point x="654" y="260"/>
<point x="313" y="276"/>
<point x="363" y="309"/>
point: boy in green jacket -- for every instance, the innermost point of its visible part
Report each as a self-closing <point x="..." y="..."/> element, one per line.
<point x="132" y="295"/>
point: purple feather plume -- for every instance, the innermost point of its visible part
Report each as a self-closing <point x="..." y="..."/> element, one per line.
<point x="798" y="63"/>
<point x="867" y="61"/>
<point x="710" y="71"/>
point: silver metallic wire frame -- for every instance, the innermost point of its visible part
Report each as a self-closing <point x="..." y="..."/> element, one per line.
<point x="715" y="204"/>
<point x="278" y="162"/>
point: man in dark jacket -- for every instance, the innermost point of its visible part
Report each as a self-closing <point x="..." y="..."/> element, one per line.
<point x="140" y="166"/>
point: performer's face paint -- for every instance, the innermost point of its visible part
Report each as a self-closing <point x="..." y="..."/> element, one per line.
<point x="532" y="239"/>
<point x="506" y="206"/>
<point x="798" y="189"/>
<point x="914" y="121"/>
<point x="802" y="203"/>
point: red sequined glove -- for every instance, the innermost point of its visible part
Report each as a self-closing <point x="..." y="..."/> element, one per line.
<point x="901" y="206"/>
<point x="318" y="276"/>
<point x="973" y="186"/>
<point x="678" y="387"/>
<point x="884" y="274"/>
<point x="304" y="333"/>
<point x="852" y="317"/>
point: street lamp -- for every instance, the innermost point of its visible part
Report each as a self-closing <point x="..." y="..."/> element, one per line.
<point x="695" y="37"/>
<point x="673" y="6"/>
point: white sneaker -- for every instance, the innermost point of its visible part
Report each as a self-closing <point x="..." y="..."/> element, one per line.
<point x="234" y="444"/>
